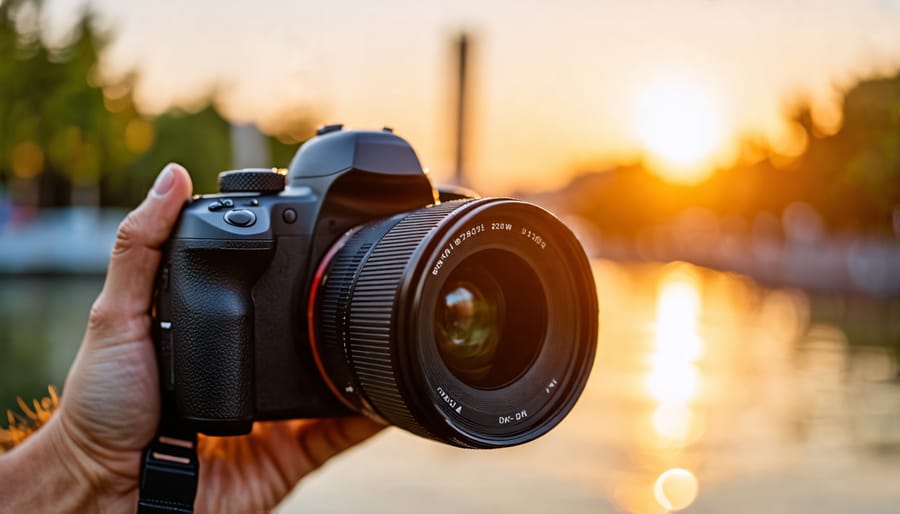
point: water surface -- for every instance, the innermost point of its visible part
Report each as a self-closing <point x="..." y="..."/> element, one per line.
<point x="710" y="393"/>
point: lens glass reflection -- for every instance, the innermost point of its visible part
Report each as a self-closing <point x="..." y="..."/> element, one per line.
<point x="468" y="324"/>
<point x="490" y="319"/>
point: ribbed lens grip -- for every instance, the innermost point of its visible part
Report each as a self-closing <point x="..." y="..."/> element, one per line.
<point x="364" y="311"/>
<point x="335" y="299"/>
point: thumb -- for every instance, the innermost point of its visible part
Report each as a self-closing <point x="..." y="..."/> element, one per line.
<point x="135" y="256"/>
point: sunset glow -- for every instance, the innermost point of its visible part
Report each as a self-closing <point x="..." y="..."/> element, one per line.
<point x="680" y="126"/>
<point x="570" y="97"/>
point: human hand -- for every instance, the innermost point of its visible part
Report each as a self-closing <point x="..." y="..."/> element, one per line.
<point x="89" y="453"/>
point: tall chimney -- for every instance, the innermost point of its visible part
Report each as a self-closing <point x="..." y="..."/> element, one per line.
<point x="462" y="49"/>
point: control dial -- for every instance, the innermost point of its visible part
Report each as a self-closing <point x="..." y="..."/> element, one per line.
<point x="252" y="180"/>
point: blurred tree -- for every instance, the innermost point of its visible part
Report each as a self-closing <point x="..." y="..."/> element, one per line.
<point x="857" y="170"/>
<point x="55" y="132"/>
<point x="67" y="137"/>
<point x="199" y="141"/>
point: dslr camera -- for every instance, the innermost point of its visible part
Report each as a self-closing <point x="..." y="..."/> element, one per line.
<point x="348" y="284"/>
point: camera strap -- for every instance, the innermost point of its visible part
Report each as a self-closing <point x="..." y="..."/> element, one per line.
<point x="170" y="471"/>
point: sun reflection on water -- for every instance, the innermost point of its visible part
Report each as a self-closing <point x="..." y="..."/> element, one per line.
<point x="717" y="379"/>
<point x="674" y="379"/>
<point x="672" y="396"/>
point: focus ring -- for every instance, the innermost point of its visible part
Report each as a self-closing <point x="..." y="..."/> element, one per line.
<point x="334" y="304"/>
<point x="372" y="308"/>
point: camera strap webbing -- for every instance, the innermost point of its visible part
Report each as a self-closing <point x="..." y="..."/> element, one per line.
<point x="170" y="471"/>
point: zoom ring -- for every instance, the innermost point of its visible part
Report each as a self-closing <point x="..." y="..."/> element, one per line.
<point x="368" y="329"/>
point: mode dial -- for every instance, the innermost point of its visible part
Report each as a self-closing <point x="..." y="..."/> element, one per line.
<point x="252" y="180"/>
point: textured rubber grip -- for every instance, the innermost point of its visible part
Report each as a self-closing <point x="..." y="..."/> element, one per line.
<point x="212" y="330"/>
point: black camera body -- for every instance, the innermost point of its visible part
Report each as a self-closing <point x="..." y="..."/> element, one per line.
<point x="347" y="284"/>
<point x="238" y="268"/>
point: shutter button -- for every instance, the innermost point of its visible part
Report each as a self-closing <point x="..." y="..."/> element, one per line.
<point x="240" y="218"/>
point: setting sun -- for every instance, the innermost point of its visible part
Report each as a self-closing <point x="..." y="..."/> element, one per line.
<point x="680" y="126"/>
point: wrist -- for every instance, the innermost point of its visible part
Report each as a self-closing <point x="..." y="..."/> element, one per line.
<point x="37" y="476"/>
<point x="49" y="472"/>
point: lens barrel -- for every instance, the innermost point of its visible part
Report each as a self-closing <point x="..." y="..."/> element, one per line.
<point x="470" y="322"/>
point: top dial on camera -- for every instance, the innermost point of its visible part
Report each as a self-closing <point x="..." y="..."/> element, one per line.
<point x="252" y="180"/>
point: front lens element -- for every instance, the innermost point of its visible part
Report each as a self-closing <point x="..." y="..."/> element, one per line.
<point x="468" y="328"/>
<point x="495" y="322"/>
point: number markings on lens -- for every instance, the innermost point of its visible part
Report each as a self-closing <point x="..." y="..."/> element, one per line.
<point x="468" y="234"/>
<point x="535" y="237"/>
<point x="442" y="258"/>
<point x="551" y="386"/>
<point x="512" y="418"/>
<point x="449" y="401"/>
<point x="458" y="240"/>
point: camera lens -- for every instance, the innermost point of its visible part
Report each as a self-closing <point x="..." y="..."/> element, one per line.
<point x="479" y="343"/>
<point x="470" y="322"/>
<point x="467" y="330"/>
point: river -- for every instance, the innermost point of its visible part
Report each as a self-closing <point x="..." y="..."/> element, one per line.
<point x="710" y="393"/>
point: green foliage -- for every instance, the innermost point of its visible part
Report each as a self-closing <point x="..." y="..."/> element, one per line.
<point x="199" y="141"/>
<point x="60" y="129"/>
<point x="54" y="127"/>
<point x="857" y="170"/>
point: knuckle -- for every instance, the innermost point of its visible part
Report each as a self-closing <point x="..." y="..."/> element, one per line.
<point x="98" y="318"/>
<point x="306" y="450"/>
<point x="340" y="437"/>
<point x="332" y="443"/>
<point x="128" y="234"/>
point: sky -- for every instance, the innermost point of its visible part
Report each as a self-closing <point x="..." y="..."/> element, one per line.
<point x="558" y="88"/>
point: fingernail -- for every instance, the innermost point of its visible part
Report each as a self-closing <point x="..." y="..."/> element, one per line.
<point x="164" y="181"/>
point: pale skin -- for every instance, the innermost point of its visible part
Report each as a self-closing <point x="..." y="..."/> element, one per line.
<point x="86" y="459"/>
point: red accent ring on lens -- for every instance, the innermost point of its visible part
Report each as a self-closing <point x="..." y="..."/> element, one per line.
<point x="311" y="313"/>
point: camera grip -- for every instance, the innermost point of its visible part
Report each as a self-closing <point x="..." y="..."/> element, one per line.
<point x="211" y="330"/>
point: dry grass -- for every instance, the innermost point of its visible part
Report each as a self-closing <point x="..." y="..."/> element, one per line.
<point x="22" y="425"/>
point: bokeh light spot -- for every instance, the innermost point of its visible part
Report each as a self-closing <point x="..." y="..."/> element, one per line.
<point x="139" y="135"/>
<point x="27" y="160"/>
<point x="676" y="489"/>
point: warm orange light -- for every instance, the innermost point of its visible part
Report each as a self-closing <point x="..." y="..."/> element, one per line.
<point x="680" y="126"/>
<point x="676" y="489"/>
<point x="673" y="421"/>
<point x="673" y="374"/>
<point x="673" y="380"/>
<point x="677" y="314"/>
<point x="27" y="160"/>
<point x="139" y="135"/>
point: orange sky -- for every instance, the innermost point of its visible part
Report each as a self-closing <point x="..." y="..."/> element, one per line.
<point x="557" y="85"/>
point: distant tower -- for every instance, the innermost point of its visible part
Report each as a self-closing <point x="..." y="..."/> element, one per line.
<point x="462" y="50"/>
